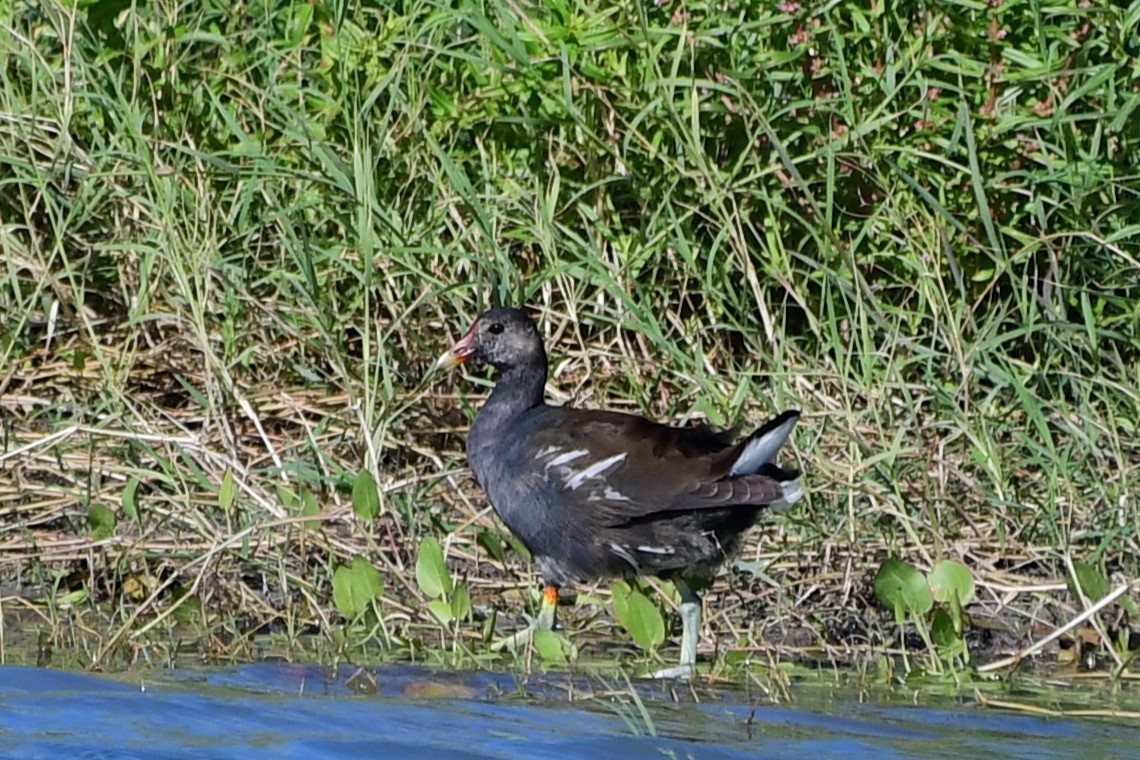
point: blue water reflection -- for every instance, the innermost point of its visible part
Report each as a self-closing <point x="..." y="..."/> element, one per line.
<point x="287" y="711"/>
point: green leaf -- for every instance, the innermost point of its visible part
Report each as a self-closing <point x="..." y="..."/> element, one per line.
<point x="460" y="601"/>
<point x="101" y="521"/>
<point x="226" y="491"/>
<point x="901" y="587"/>
<point x="639" y="616"/>
<point x="1092" y="581"/>
<point x="492" y="543"/>
<point x="310" y="508"/>
<point x="954" y="607"/>
<point x="286" y="497"/>
<point x="74" y="598"/>
<point x="621" y="592"/>
<point x="710" y="410"/>
<point x="942" y="630"/>
<point x="441" y="608"/>
<point x="948" y="578"/>
<point x="189" y="609"/>
<point x="355" y="586"/>
<point x="130" y="501"/>
<point x="554" y="647"/>
<point x="519" y="549"/>
<point x="365" y="496"/>
<point x="431" y="570"/>
<point x="1128" y="605"/>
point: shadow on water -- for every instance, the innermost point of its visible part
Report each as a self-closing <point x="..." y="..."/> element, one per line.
<point x="285" y="711"/>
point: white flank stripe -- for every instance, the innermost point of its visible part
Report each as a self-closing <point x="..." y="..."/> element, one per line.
<point x="593" y="471"/>
<point x="615" y="495"/>
<point x="566" y="458"/>
<point x="657" y="549"/>
<point x="547" y="452"/>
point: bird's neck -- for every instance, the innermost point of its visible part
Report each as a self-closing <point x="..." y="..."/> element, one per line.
<point x="517" y="390"/>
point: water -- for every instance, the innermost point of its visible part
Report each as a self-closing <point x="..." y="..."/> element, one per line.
<point x="286" y="711"/>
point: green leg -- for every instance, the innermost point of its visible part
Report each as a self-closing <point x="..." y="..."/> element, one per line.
<point x="548" y="609"/>
<point x="690" y="624"/>
<point x="690" y="634"/>
<point x="544" y="621"/>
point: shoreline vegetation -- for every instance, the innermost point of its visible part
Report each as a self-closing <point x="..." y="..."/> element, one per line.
<point x="236" y="235"/>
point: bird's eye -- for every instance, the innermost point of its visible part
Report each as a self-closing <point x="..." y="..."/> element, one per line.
<point x="495" y="328"/>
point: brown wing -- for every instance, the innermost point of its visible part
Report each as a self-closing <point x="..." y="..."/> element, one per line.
<point x="750" y="489"/>
<point x="622" y="468"/>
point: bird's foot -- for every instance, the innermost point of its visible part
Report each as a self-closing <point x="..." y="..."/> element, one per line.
<point x="544" y="621"/>
<point x="516" y="640"/>
<point x="690" y="631"/>
<point x="674" y="673"/>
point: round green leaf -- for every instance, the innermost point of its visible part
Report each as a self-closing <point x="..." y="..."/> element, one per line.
<point x="948" y="578"/>
<point x="431" y="570"/>
<point x="900" y="587"/>
<point x="639" y="616"/>
<point x="365" y="496"/>
<point x="355" y="586"/>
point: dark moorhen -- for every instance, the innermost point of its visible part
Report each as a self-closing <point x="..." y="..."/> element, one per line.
<point x="596" y="494"/>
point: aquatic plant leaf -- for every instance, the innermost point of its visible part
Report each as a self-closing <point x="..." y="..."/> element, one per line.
<point x="355" y="586"/>
<point x="639" y="616"/>
<point x="1092" y="581"/>
<point x="101" y="521"/>
<point x="899" y="586"/>
<point x="431" y="570"/>
<point x="949" y="578"/>
<point x="365" y="496"/>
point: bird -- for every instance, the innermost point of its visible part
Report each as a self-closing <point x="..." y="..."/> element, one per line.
<point x="596" y="494"/>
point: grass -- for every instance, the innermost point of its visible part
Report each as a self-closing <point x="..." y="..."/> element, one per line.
<point x="235" y="235"/>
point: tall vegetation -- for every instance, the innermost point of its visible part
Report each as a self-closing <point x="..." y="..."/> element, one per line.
<point x="235" y="234"/>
